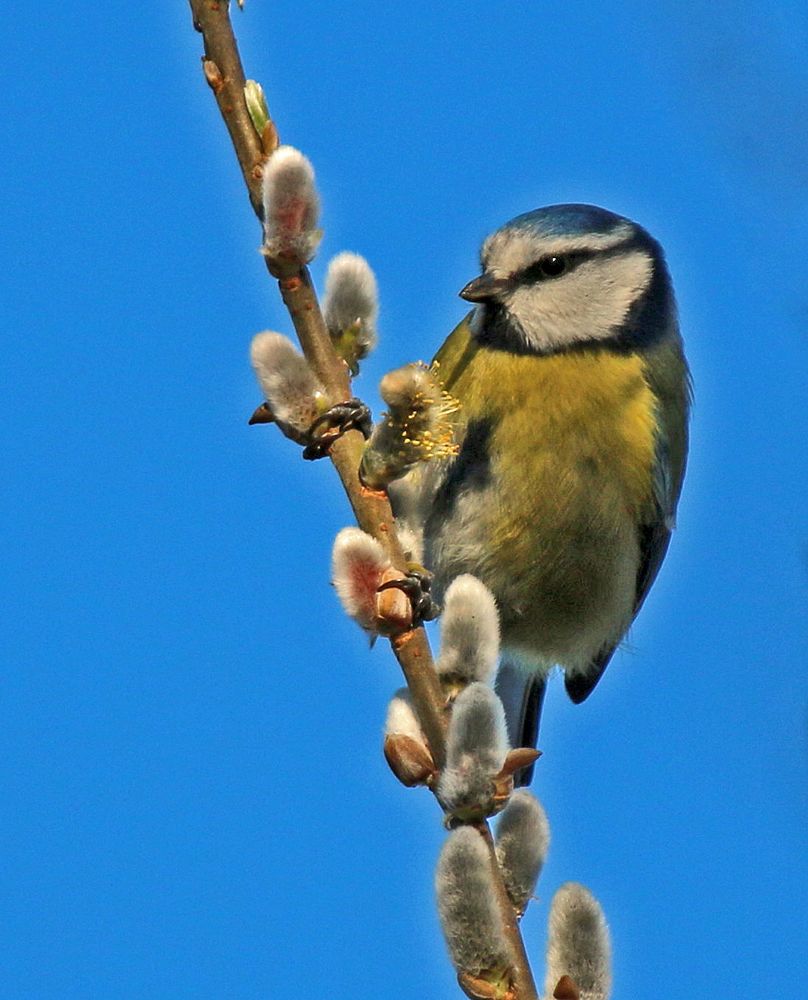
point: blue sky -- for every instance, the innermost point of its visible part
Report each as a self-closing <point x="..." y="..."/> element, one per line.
<point x="194" y="799"/>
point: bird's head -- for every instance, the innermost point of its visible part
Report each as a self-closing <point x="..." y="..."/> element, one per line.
<point x="568" y="275"/>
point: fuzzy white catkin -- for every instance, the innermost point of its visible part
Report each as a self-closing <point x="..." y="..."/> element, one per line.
<point x="522" y="839"/>
<point x="291" y="206"/>
<point x="351" y="294"/>
<point x="469" y="635"/>
<point x="467" y="904"/>
<point x="357" y="563"/>
<point x="401" y="718"/>
<point x="286" y="380"/>
<point x="476" y="746"/>
<point x="477" y="727"/>
<point x="578" y="943"/>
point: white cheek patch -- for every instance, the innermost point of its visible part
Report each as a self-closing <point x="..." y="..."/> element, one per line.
<point x="589" y="303"/>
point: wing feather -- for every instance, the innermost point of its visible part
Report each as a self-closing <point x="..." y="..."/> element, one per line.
<point x="668" y="378"/>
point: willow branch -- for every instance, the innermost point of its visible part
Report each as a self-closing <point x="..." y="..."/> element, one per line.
<point x="225" y="74"/>
<point x="371" y="509"/>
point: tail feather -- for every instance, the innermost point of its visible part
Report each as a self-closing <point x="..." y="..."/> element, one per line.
<point x="580" y="686"/>
<point x="522" y="694"/>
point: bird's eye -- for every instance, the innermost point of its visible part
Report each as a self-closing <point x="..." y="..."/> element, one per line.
<point x="551" y="267"/>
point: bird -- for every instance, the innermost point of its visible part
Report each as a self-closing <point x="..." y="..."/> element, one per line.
<point x="572" y="435"/>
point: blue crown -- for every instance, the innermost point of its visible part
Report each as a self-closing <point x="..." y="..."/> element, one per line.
<point x="570" y="220"/>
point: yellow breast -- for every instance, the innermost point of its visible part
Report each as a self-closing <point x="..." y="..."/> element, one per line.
<point x="561" y="422"/>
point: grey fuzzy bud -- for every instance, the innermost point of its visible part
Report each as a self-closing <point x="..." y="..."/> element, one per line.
<point x="467" y="904"/>
<point x="351" y="306"/>
<point x="476" y="746"/>
<point x="290" y="387"/>
<point x="469" y="631"/>
<point x="522" y="839"/>
<point x="578" y="943"/>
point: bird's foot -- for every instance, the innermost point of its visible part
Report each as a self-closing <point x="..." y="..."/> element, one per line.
<point x="416" y="585"/>
<point x="331" y="425"/>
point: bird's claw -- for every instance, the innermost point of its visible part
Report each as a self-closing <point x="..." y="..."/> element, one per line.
<point x="416" y="585"/>
<point x="331" y="425"/>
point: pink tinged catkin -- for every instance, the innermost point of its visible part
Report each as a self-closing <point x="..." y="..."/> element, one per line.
<point x="358" y="564"/>
<point x="291" y="208"/>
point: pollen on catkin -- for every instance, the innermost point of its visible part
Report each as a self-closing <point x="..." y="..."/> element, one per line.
<point x="291" y="209"/>
<point x="351" y="307"/>
<point x="578" y="943"/>
<point x="469" y="632"/>
<point x="476" y="747"/>
<point x="291" y="389"/>
<point x="416" y="428"/>
<point x="522" y="838"/>
<point x="467" y="905"/>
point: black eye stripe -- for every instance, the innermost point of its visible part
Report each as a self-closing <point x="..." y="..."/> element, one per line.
<point x="552" y="266"/>
<point x="534" y="272"/>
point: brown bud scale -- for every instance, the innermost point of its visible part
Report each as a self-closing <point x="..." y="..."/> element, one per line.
<point x="566" y="989"/>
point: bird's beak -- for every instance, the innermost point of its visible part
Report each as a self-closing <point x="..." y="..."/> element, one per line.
<point x="484" y="288"/>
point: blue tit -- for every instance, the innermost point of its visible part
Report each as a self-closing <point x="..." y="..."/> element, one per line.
<point x="574" y="396"/>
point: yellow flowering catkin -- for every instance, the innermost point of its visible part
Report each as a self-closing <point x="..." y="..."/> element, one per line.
<point x="416" y="428"/>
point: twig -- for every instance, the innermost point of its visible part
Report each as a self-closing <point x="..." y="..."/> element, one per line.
<point x="225" y="74"/>
<point x="523" y="974"/>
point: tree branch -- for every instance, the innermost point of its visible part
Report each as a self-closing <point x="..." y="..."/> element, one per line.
<point x="224" y="72"/>
<point x="371" y="509"/>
